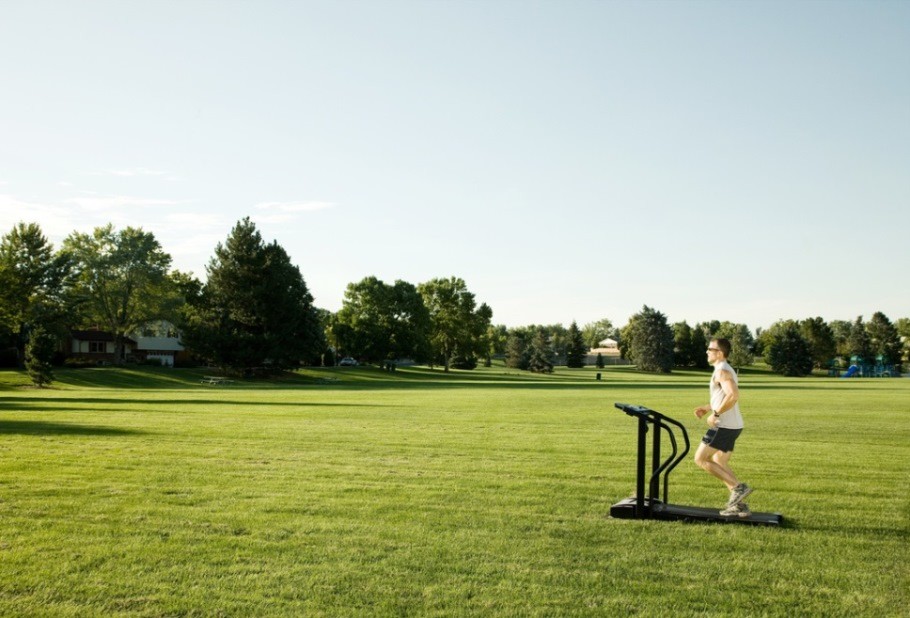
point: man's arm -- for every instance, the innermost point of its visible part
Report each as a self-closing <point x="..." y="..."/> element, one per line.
<point x="731" y="396"/>
<point x="731" y="391"/>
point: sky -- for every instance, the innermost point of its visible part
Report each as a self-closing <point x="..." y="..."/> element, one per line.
<point x="572" y="160"/>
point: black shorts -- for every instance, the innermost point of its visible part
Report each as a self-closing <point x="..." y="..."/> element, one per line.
<point x="721" y="438"/>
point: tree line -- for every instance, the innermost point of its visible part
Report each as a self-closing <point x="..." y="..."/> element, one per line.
<point x="254" y="313"/>
<point x="789" y="347"/>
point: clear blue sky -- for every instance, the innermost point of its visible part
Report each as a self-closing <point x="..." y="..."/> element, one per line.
<point x="742" y="161"/>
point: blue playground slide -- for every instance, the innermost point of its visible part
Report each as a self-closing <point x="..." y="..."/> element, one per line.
<point x="852" y="371"/>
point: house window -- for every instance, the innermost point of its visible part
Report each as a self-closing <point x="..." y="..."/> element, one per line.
<point x="96" y="347"/>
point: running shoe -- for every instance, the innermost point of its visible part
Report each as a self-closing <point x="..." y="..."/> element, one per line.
<point x="740" y="509"/>
<point x="739" y="493"/>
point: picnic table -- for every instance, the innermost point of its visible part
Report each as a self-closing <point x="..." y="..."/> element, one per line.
<point x="215" y="380"/>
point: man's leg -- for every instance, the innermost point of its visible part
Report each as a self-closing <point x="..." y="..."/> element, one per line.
<point x="706" y="457"/>
<point x="722" y="459"/>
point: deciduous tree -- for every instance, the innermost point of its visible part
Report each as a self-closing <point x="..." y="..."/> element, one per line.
<point x="903" y="329"/>
<point x="457" y="325"/>
<point x="684" y="352"/>
<point x="740" y="340"/>
<point x="786" y="351"/>
<point x="700" y="347"/>
<point x="820" y="338"/>
<point x="595" y="332"/>
<point x="33" y="285"/>
<point x="122" y="280"/>
<point x="380" y="322"/>
<point x="497" y="337"/>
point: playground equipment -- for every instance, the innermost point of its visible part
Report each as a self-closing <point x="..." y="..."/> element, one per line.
<point x="652" y="506"/>
<point x="860" y="368"/>
<point x="851" y="371"/>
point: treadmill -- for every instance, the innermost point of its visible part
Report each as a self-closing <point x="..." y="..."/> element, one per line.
<point x="655" y="506"/>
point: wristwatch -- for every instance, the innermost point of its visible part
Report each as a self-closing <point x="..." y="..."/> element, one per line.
<point x="716" y="413"/>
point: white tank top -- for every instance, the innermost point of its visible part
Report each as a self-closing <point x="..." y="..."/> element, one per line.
<point x="731" y="419"/>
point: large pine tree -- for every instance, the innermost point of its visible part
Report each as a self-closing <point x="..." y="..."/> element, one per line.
<point x="647" y="340"/>
<point x="859" y="343"/>
<point x="255" y="310"/>
<point x="883" y="338"/>
<point x="577" y="350"/>
<point x="540" y="359"/>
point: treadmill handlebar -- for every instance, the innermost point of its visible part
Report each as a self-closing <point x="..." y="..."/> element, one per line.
<point x="631" y="410"/>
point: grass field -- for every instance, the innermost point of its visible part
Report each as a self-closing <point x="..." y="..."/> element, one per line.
<point x="354" y="492"/>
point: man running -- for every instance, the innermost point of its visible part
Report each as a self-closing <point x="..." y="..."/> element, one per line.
<point x="725" y="423"/>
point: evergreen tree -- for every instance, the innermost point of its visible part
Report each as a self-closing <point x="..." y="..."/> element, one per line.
<point x="787" y="352"/>
<point x="884" y="338"/>
<point x="576" y="350"/>
<point x="38" y="355"/>
<point x="858" y="342"/>
<point x="255" y="309"/>
<point x="517" y="350"/>
<point x="541" y="354"/>
<point x="648" y="340"/>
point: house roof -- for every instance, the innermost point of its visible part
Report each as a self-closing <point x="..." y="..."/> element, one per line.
<point x="96" y="335"/>
<point x="161" y="344"/>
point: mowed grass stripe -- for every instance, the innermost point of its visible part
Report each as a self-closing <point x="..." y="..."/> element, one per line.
<point x="359" y="492"/>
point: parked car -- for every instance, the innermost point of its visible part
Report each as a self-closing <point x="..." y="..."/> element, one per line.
<point x="347" y="361"/>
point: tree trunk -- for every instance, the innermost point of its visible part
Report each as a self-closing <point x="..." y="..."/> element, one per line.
<point x="118" y="349"/>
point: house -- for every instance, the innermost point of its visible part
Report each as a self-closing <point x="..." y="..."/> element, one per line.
<point x="97" y="346"/>
<point x="609" y="352"/>
<point x="163" y="349"/>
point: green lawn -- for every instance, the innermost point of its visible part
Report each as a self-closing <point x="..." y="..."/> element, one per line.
<point x="355" y="492"/>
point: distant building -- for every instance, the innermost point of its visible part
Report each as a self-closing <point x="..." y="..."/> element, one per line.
<point x="163" y="349"/>
<point x="609" y="352"/>
<point x="97" y="346"/>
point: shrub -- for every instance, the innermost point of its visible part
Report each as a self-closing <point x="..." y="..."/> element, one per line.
<point x="38" y="355"/>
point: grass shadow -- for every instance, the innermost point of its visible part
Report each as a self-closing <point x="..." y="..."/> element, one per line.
<point x="129" y="377"/>
<point x="44" y="428"/>
<point x="129" y="404"/>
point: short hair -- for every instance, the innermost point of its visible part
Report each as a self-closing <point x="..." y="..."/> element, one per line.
<point x="725" y="346"/>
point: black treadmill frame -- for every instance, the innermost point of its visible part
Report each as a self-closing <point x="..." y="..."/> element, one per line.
<point x="651" y="506"/>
